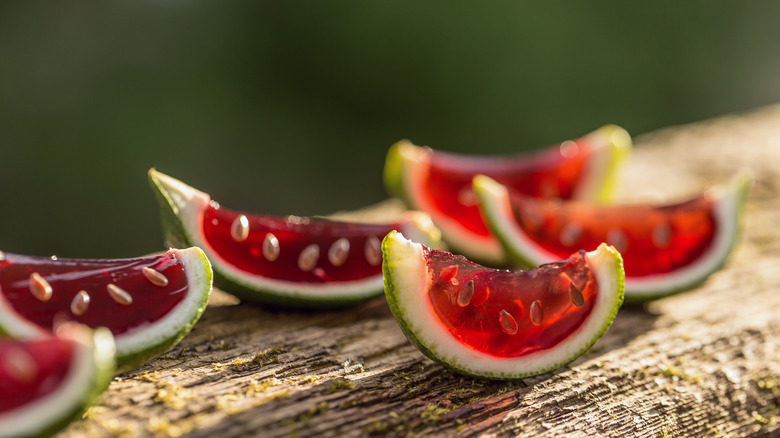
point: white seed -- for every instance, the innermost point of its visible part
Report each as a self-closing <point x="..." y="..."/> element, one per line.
<point x="536" y="312"/>
<point x="466" y="293"/>
<point x="569" y="149"/>
<point x="271" y="247"/>
<point x="154" y="276"/>
<point x="617" y="238"/>
<point x="2" y="256"/>
<point x="239" y="230"/>
<point x="80" y="303"/>
<point x="39" y="287"/>
<point x="119" y="295"/>
<point x="570" y="234"/>
<point x="373" y="251"/>
<point x="338" y="252"/>
<point x="575" y="295"/>
<point x="508" y="322"/>
<point x="467" y="197"/>
<point x="662" y="235"/>
<point x="307" y="260"/>
<point x="20" y="365"/>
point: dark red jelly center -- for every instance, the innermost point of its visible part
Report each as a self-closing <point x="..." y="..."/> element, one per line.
<point x="652" y="240"/>
<point x="547" y="173"/>
<point x="30" y="371"/>
<point x="511" y="313"/>
<point x="296" y="248"/>
<point x="68" y="277"/>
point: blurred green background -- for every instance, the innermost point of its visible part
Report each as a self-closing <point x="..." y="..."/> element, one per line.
<point x="289" y="107"/>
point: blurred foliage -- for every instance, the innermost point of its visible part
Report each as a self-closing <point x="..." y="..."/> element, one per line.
<point x="289" y="107"/>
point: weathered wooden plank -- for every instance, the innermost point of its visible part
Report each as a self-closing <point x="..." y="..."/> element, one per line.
<point x="702" y="363"/>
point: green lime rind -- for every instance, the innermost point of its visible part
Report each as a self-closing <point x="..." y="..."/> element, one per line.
<point x="601" y="183"/>
<point x="141" y="344"/>
<point x="181" y="204"/>
<point x="95" y="374"/>
<point x="609" y="147"/>
<point x="400" y="284"/>
<point x="497" y="214"/>
<point x="523" y="252"/>
<point x="175" y="233"/>
<point x="733" y="198"/>
<point x="392" y="174"/>
<point x="199" y="286"/>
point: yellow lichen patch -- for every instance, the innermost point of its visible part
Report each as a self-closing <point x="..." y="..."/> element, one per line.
<point x="94" y="411"/>
<point x="239" y="364"/>
<point x="434" y="412"/>
<point x="760" y="418"/>
<point x="172" y="395"/>
<point x="160" y="427"/>
<point x="114" y="427"/>
<point x="268" y="356"/>
<point x="665" y="369"/>
<point x="229" y="403"/>
<point x="340" y="385"/>
<point x="256" y="387"/>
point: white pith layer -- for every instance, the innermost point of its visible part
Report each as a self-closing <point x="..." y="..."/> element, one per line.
<point x="609" y="144"/>
<point x="496" y="206"/>
<point x="15" y="325"/>
<point x="414" y="173"/>
<point x="727" y="212"/>
<point x="411" y="281"/>
<point x="140" y="338"/>
<point x="189" y="205"/>
<point x="198" y="272"/>
<point x="91" y="353"/>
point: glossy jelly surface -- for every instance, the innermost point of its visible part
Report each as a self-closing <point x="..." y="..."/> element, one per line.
<point x="119" y="294"/>
<point x="31" y="370"/>
<point x="652" y="240"/>
<point x="552" y="172"/>
<point x="510" y="313"/>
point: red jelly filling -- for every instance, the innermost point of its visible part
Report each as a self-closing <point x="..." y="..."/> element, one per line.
<point x="652" y="240"/>
<point x="510" y="313"/>
<point x="547" y="173"/>
<point x="68" y="277"/>
<point x="294" y="248"/>
<point x="30" y="371"/>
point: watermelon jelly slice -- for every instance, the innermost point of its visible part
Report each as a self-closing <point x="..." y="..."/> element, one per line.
<point x="148" y="303"/>
<point x="291" y="260"/>
<point x="501" y="324"/>
<point x="46" y="383"/>
<point x="666" y="249"/>
<point x="439" y="183"/>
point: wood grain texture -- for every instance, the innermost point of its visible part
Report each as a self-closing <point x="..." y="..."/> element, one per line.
<point x="702" y="363"/>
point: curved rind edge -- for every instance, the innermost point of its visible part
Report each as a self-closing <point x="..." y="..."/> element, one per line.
<point x="97" y="351"/>
<point x="176" y="233"/>
<point x="733" y="197"/>
<point x="200" y="280"/>
<point x="494" y="205"/>
<point x="404" y="170"/>
<point x="496" y="211"/>
<point x="610" y="276"/>
<point x="142" y="345"/>
<point x="613" y="147"/>
<point x="392" y="172"/>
